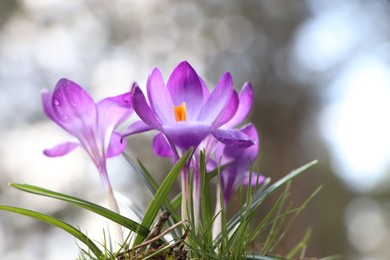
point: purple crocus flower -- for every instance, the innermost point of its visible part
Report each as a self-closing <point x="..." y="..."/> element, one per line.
<point x="70" y="107"/>
<point x="184" y="110"/>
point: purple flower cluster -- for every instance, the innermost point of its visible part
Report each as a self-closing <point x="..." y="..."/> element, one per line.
<point x="184" y="112"/>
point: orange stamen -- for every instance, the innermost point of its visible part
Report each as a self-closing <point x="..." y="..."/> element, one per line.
<point x="180" y="112"/>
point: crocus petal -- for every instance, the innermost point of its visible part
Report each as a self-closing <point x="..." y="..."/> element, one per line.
<point x="159" y="97"/>
<point x="112" y="112"/>
<point x="188" y="133"/>
<point x="73" y="107"/>
<point x="184" y="86"/>
<point x="229" y="111"/>
<point x="137" y="127"/>
<point x="116" y="146"/>
<point x="218" y="99"/>
<point x="244" y="154"/>
<point x="161" y="147"/>
<point x="253" y="179"/>
<point x="244" y="108"/>
<point x="61" y="149"/>
<point x="143" y="110"/>
<point x="47" y="98"/>
<point x="233" y="138"/>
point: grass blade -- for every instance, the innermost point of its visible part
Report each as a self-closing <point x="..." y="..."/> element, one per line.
<point x="58" y="223"/>
<point x="125" y="222"/>
<point x="162" y="193"/>
<point x="152" y="185"/>
<point x="261" y="195"/>
<point x="300" y="246"/>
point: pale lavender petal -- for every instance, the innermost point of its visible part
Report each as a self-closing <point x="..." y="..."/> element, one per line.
<point x="161" y="146"/>
<point x="73" y="107"/>
<point x="229" y="110"/>
<point x="159" y="97"/>
<point x="137" y="127"/>
<point x="114" y="110"/>
<point x="47" y="98"/>
<point x="218" y="100"/>
<point x="244" y="108"/>
<point x="116" y="146"/>
<point x="233" y="138"/>
<point x="188" y="133"/>
<point x="61" y="149"/>
<point x="143" y="110"/>
<point x="253" y="179"/>
<point x="184" y="86"/>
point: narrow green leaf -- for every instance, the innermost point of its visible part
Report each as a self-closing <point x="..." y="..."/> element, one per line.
<point x="176" y="202"/>
<point x="262" y="225"/>
<point x="332" y="257"/>
<point x="205" y="202"/>
<point x="152" y="186"/>
<point x="126" y="222"/>
<point x="58" y="223"/>
<point x="300" y="245"/>
<point x="162" y="193"/>
<point x="262" y="194"/>
<point x="277" y="220"/>
<point x="297" y="212"/>
<point x="143" y="174"/>
<point x="263" y="257"/>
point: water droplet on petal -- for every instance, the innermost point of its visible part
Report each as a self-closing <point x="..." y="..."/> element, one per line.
<point x="56" y="102"/>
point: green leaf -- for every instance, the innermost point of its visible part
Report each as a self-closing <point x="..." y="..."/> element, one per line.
<point x="206" y="208"/>
<point x="162" y="193"/>
<point x="278" y="220"/>
<point x="176" y="201"/>
<point x="152" y="186"/>
<point x="300" y="245"/>
<point x="58" y="223"/>
<point x="126" y="222"/>
<point x="263" y="257"/>
<point x="297" y="212"/>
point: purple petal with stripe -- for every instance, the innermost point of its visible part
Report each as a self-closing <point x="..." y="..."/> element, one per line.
<point x="184" y="86"/>
<point x="229" y="111"/>
<point x="159" y="97"/>
<point x="233" y="138"/>
<point x="143" y="110"/>
<point x="244" y="108"/>
<point x="137" y="127"/>
<point x="187" y="134"/>
<point x="218" y="99"/>
<point x="73" y="107"/>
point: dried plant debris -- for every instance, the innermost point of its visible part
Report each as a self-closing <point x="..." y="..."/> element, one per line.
<point x="152" y="248"/>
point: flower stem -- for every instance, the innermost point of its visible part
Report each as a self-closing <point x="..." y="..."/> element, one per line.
<point x="218" y="211"/>
<point x="113" y="205"/>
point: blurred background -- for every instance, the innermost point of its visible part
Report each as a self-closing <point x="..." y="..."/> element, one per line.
<point x="321" y="72"/>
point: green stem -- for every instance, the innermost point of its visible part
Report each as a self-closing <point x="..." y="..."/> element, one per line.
<point x="185" y="200"/>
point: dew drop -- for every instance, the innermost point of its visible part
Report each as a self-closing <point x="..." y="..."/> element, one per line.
<point x="56" y="102"/>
